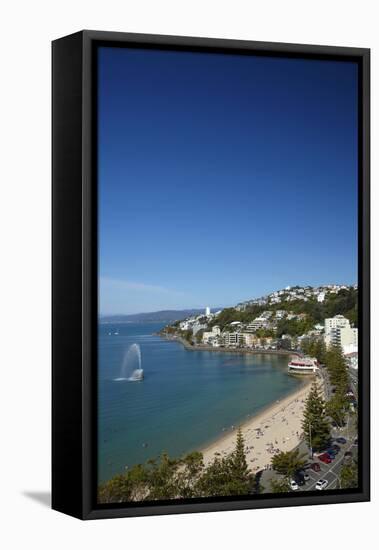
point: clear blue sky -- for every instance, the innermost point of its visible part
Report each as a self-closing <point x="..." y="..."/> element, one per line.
<point x="223" y="177"/>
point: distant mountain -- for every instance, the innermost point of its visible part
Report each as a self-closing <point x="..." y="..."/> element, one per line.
<point x="168" y="316"/>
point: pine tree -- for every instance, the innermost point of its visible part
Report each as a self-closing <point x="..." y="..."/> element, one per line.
<point x="337" y="369"/>
<point x="241" y="470"/>
<point x="315" y="424"/>
<point x="288" y="463"/>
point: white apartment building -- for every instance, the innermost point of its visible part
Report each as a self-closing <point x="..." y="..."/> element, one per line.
<point x="339" y="321"/>
<point x="339" y="332"/>
<point x="348" y="336"/>
<point x="210" y="337"/>
<point x="259" y="322"/>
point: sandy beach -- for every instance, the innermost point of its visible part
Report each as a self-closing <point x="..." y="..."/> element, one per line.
<point x="278" y="427"/>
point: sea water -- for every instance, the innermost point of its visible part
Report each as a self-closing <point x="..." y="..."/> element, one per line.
<point x="186" y="399"/>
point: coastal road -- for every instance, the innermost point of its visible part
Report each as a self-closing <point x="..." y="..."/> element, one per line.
<point x="354" y="381"/>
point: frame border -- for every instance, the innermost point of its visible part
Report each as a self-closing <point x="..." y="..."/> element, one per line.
<point x="82" y="380"/>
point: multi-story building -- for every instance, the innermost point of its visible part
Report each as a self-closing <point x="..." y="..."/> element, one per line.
<point x="338" y="321"/>
<point x="259" y="322"/>
<point x="339" y="332"/>
<point x="249" y="339"/>
<point x="233" y="338"/>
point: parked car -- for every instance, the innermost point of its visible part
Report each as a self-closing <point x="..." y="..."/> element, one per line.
<point x="336" y="447"/>
<point x="324" y="457"/>
<point x="341" y="440"/>
<point x="306" y="476"/>
<point x="315" y="467"/>
<point x="322" y="484"/>
<point x="294" y="486"/>
<point x="331" y="451"/>
<point x="299" y="478"/>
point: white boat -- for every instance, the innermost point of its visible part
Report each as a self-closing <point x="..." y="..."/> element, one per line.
<point x="303" y="365"/>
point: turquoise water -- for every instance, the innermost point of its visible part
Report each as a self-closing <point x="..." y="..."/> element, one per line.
<point x="186" y="399"/>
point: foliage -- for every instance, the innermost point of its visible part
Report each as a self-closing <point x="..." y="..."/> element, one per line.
<point x="288" y="463"/>
<point x="337" y="368"/>
<point x="279" y="486"/>
<point x="337" y="407"/>
<point x="187" y="335"/>
<point x="169" y="478"/>
<point x="315" y="347"/>
<point x="199" y="336"/>
<point x="349" y="476"/>
<point x="294" y="327"/>
<point x="315" y="424"/>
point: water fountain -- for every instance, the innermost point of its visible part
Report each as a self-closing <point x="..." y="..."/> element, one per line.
<point x="131" y="365"/>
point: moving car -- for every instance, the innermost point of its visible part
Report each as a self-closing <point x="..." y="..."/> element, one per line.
<point x="322" y="484"/>
<point x="294" y="486"/>
<point x="325" y="458"/>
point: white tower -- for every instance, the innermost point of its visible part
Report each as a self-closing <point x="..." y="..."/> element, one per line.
<point x="207" y="311"/>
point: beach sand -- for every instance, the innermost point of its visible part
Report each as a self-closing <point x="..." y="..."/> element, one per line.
<point x="278" y="427"/>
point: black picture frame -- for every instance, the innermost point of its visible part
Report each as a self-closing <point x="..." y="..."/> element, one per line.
<point x="74" y="272"/>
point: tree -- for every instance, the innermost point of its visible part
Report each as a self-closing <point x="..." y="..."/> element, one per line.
<point x="337" y="407"/>
<point x="315" y="424"/>
<point x="240" y="467"/>
<point x="187" y="335"/>
<point x="168" y="478"/>
<point x="337" y="368"/>
<point x="199" y="336"/>
<point x="288" y="463"/>
<point x="279" y="486"/>
<point x="315" y="347"/>
<point x="349" y="476"/>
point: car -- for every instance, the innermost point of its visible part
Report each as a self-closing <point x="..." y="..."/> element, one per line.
<point x="336" y="447"/>
<point x="315" y="467"/>
<point x="299" y="478"/>
<point x="341" y="440"/>
<point x="294" y="486"/>
<point x="331" y="451"/>
<point x="355" y="442"/>
<point x="324" y="457"/>
<point x="322" y="484"/>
